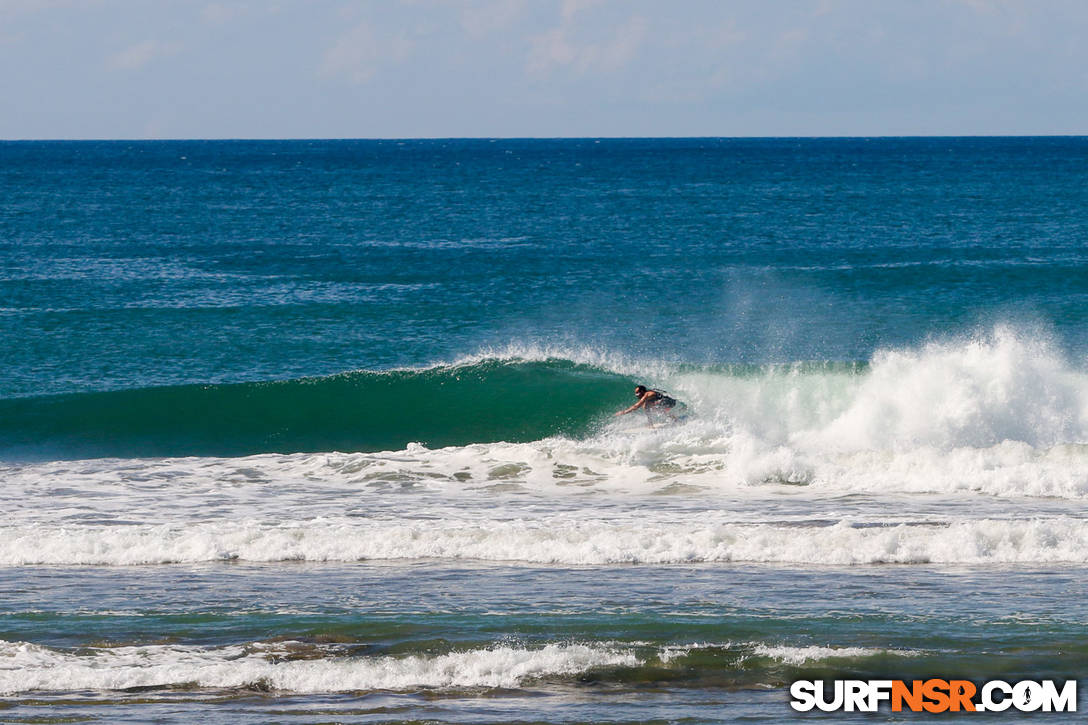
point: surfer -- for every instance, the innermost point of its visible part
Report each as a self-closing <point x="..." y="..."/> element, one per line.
<point x="651" y="400"/>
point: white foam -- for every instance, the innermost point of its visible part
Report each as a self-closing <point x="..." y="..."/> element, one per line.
<point x="801" y="655"/>
<point x="553" y="541"/>
<point x="782" y="653"/>
<point x="979" y="390"/>
<point x="307" y="668"/>
<point x="999" y="416"/>
<point x="1002" y="413"/>
<point x="976" y="393"/>
<point x="27" y="667"/>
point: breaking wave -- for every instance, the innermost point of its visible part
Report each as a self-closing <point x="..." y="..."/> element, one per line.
<point x="556" y="541"/>
<point x="985" y="391"/>
<point x="301" y="667"/>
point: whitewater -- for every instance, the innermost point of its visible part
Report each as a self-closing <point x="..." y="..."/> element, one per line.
<point x="958" y="451"/>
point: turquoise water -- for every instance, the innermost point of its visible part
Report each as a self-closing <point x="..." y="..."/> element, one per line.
<point x="137" y="264"/>
<point x="296" y="431"/>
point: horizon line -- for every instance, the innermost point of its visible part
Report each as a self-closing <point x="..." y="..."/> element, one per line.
<point x="546" y="138"/>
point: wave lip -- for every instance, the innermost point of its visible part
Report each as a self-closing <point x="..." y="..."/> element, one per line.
<point x="555" y="541"/>
<point x="814" y="653"/>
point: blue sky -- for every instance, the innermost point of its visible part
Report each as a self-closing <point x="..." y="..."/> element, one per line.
<point x="437" y="68"/>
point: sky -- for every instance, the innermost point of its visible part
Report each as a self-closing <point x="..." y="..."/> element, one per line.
<point x="136" y="69"/>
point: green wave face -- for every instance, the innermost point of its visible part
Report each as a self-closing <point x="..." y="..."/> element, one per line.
<point x="484" y="402"/>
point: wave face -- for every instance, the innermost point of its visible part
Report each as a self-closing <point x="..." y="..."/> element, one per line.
<point x="999" y="389"/>
<point x="484" y="401"/>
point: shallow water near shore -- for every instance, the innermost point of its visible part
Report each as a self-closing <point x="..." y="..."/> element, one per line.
<point x="465" y="641"/>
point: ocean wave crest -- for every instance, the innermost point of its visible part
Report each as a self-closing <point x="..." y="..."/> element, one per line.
<point x="555" y="541"/>
<point x="302" y="667"/>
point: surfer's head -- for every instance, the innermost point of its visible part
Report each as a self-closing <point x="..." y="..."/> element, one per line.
<point x="640" y="390"/>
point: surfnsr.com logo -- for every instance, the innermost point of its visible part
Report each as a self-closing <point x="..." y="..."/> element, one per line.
<point x="934" y="696"/>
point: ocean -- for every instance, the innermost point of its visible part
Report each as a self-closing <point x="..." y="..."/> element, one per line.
<point x="322" y="431"/>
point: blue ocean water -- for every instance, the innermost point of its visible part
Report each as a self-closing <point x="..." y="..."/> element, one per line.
<point x="325" y="427"/>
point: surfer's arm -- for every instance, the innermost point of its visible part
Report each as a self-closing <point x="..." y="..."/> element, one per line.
<point x="641" y="402"/>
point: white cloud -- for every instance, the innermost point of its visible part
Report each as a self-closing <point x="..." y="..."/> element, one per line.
<point x="220" y="14"/>
<point x="1009" y="18"/>
<point x="549" y="50"/>
<point x="571" y="8"/>
<point x="139" y="55"/>
<point x="358" y="53"/>
<point x="12" y="8"/>
<point x="982" y="6"/>
<point x="353" y="55"/>
<point x="479" y="19"/>
<point x="624" y="45"/>
<point x="790" y="43"/>
<point x="556" y="49"/>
